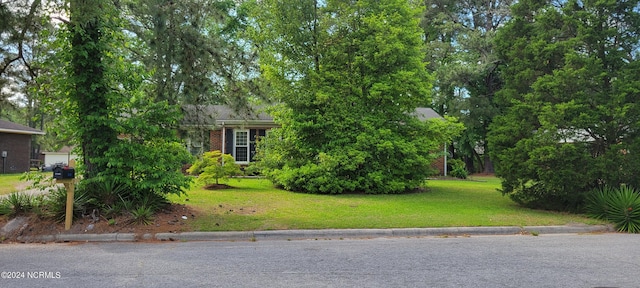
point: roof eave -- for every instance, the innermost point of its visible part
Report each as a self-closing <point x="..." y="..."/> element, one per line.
<point x="245" y="122"/>
<point x="12" y="131"/>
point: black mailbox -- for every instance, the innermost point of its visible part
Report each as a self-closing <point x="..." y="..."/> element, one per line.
<point x="63" y="173"/>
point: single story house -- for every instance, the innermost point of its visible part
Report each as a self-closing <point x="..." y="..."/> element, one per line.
<point x="64" y="156"/>
<point x="232" y="132"/>
<point x="236" y="133"/>
<point x="15" y="147"/>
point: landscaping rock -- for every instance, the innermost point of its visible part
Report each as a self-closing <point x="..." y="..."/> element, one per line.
<point x="13" y="225"/>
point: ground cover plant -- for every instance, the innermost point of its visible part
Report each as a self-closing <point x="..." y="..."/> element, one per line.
<point x="256" y="205"/>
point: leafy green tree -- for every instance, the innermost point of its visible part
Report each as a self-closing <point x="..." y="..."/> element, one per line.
<point x="90" y="94"/>
<point x="571" y="87"/>
<point x="460" y="52"/>
<point x="213" y="167"/>
<point x="193" y="48"/>
<point x="350" y="75"/>
<point x="23" y="25"/>
<point x="196" y="54"/>
<point x="125" y="136"/>
<point x="148" y="157"/>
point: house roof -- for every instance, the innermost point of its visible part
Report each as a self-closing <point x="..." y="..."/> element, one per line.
<point x="63" y="151"/>
<point x="424" y="113"/>
<point x="15" y="128"/>
<point x="220" y="115"/>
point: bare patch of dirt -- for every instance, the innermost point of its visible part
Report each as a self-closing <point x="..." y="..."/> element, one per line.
<point x="169" y="220"/>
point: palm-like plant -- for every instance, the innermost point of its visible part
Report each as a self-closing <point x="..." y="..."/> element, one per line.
<point x="618" y="205"/>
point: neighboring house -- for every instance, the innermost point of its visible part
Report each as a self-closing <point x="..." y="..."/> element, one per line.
<point x="64" y="155"/>
<point x="15" y="147"/>
<point x="425" y="114"/>
<point x="236" y="133"/>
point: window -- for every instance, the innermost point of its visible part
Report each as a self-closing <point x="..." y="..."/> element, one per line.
<point x="241" y="146"/>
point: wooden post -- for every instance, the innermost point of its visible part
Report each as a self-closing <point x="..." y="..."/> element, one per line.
<point x="70" y="186"/>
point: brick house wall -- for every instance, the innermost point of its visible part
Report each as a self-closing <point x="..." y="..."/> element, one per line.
<point x="438" y="165"/>
<point x="215" y="140"/>
<point x="18" y="147"/>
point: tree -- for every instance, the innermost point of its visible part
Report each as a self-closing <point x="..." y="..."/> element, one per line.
<point x="90" y="94"/>
<point x="196" y="54"/>
<point x="23" y="23"/>
<point x="349" y="76"/>
<point x="214" y="166"/>
<point x="460" y="52"/>
<point x="571" y="88"/>
<point x="124" y="136"/>
<point x="194" y="49"/>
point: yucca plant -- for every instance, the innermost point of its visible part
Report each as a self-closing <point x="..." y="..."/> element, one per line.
<point x="624" y="210"/>
<point x="597" y="202"/>
<point x="142" y="215"/>
<point x="621" y="206"/>
<point x="19" y="203"/>
<point x="5" y="208"/>
<point x="56" y="202"/>
<point x="106" y="191"/>
<point x="153" y="200"/>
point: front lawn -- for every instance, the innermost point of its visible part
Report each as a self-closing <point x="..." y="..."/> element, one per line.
<point x="256" y="205"/>
<point x="10" y="183"/>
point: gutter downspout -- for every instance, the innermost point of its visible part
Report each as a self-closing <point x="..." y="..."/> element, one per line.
<point x="224" y="134"/>
<point x="224" y="143"/>
<point x="445" y="159"/>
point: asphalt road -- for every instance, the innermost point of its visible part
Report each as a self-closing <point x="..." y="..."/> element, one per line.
<point x="564" y="260"/>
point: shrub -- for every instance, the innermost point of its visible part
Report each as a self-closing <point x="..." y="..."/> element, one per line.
<point x="106" y="191"/>
<point x="19" y="203"/>
<point x="374" y="160"/>
<point x="152" y="200"/>
<point x="597" y="202"/>
<point x="620" y="206"/>
<point x="458" y="169"/>
<point x="128" y="203"/>
<point x="56" y="203"/>
<point x="5" y="208"/>
<point x="213" y="167"/>
<point x="142" y="215"/>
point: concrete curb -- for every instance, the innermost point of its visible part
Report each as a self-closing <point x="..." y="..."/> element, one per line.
<point x="567" y="229"/>
<point x="205" y="236"/>
<point x="321" y="234"/>
<point x="109" y="237"/>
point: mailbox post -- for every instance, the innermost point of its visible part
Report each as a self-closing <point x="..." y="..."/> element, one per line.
<point x="66" y="175"/>
<point x="4" y="162"/>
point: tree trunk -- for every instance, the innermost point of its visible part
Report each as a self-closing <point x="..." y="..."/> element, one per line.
<point x="90" y="95"/>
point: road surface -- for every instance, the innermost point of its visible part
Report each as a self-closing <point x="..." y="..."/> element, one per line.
<point x="566" y="260"/>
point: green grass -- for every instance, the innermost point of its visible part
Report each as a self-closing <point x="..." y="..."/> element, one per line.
<point x="256" y="205"/>
<point x="9" y="183"/>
